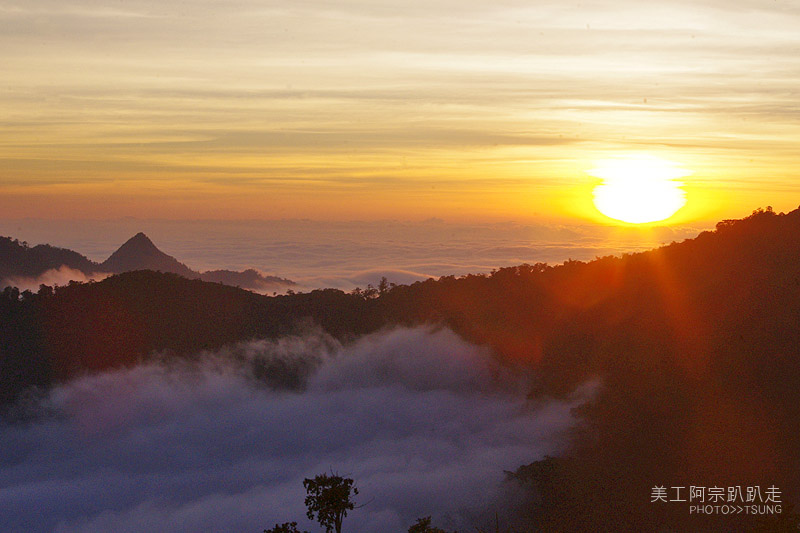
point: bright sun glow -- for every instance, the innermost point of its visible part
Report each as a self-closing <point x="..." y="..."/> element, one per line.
<point x="639" y="189"/>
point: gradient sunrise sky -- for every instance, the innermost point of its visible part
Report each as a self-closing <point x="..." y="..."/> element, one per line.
<point x="371" y="109"/>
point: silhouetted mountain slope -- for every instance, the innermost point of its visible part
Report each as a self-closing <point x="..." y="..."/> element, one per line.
<point x="17" y="260"/>
<point x="696" y="345"/>
<point x="549" y="317"/>
<point x="124" y="318"/>
<point x="247" y="279"/>
<point x="139" y="253"/>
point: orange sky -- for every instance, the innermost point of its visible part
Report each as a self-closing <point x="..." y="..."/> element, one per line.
<point x="342" y="110"/>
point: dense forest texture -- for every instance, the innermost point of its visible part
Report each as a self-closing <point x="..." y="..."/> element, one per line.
<point x="695" y="345"/>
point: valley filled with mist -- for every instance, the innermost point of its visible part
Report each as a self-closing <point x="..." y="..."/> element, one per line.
<point x="423" y="420"/>
<point x="543" y="397"/>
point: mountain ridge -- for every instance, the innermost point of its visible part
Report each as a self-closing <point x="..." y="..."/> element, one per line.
<point x="18" y="260"/>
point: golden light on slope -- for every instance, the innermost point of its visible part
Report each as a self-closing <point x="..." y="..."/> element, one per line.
<point x="639" y="189"/>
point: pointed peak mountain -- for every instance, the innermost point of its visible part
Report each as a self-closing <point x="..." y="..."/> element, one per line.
<point x="140" y="242"/>
<point x="139" y="253"/>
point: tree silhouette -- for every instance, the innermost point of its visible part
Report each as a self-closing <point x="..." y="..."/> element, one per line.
<point x="423" y="525"/>
<point x="329" y="499"/>
<point x="383" y="286"/>
<point x="287" y="527"/>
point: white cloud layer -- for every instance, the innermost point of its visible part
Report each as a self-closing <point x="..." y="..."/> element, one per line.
<point x="349" y="254"/>
<point x="423" y="421"/>
<point x="55" y="276"/>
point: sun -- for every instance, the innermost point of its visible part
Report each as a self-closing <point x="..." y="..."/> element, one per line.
<point x="639" y="189"/>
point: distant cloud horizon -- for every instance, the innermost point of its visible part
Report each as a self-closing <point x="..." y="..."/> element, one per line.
<point x="345" y="255"/>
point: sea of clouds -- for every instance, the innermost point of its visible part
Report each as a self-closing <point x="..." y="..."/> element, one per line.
<point x="425" y="423"/>
<point x="348" y="254"/>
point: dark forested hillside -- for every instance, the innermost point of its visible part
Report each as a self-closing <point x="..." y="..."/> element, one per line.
<point x="19" y="259"/>
<point x="124" y="318"/>
<point x="695" y="345"/>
